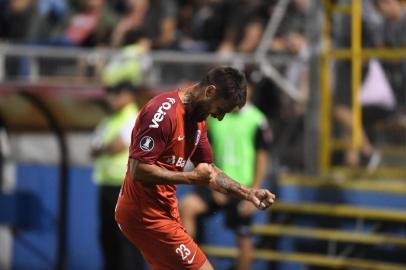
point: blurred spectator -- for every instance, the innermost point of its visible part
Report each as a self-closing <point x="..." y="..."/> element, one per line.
<point x="156" y="17"/>
<point x="118" y="5"/>
<point x="110" y="151"/>
<point x="202" y="23"/>
<point x="20" y="21"/>
<point x="377" y="99"/>
<point x="367" y="155"/>
<point x="286" y="114"/>
<point x="290" y="37"/>
<point x="394" y="15"/>
<point x="127" y="65"/>
<point x="394" y="36"/>
<point x="46" y="6"/>
<point x="242" y="153"/>
<point x="244" y="28"/>
<point x="90" y="25"/>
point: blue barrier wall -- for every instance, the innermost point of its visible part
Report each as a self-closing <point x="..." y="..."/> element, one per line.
<point x="82" y="239"/>
<point x="35" y="245"/>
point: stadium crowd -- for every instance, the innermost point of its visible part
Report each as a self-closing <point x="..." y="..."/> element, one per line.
<point x="226" y="27"/>
<point x="199" y="25"/>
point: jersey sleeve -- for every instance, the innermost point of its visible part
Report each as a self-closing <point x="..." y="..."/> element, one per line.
<point x="149" y="137"/>
<point x="263" y="136"/>
<point x="203" y="153"/>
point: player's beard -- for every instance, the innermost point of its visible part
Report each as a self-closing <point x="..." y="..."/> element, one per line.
<point x="200" y="110"/>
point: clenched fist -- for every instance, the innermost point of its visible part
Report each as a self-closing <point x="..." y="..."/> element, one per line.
<point x="203" y="174"/>
<point x="261" y="198"/>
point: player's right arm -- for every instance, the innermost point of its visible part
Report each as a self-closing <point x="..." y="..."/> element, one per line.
<point x="150" y="139"/>
<point x="153" y="174"/>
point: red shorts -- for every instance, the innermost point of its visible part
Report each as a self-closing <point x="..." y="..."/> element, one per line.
<point x="167" y="248"/>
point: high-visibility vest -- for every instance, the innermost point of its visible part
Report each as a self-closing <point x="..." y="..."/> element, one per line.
<point x="233" y="143"/>
<point x="110" y="169"/>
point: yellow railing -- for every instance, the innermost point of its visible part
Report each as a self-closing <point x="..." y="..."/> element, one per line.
<point x="356" y="54"/>
<point x="356" y="65"/>
<point x="325" y="86"/>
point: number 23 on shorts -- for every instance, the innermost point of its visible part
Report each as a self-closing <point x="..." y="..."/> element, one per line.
<point x="185" y="253"/>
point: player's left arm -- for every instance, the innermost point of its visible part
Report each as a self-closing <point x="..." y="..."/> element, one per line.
<point x="261" y="198"/>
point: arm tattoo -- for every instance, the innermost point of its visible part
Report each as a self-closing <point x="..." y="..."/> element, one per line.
<point x="229" y="186"/>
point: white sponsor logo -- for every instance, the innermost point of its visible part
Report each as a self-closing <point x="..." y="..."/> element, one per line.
<point x="160" y="113"/>
<point x="180" y="138"/>
<point x="192" y="259"/>
<point x="184" y="252"/>
<point x="178" y="162"/>
<point x="181" y="162"/>
<point x="147" y="143"/>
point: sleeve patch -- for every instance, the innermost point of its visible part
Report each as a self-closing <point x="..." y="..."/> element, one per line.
<point x="146" y="143"/>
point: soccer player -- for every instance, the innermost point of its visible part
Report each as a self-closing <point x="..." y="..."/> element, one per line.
<point x="242" y="153"/>
<point x="169" y="130"/>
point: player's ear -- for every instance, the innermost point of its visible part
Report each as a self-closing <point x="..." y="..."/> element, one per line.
<point x="210" y="91"/>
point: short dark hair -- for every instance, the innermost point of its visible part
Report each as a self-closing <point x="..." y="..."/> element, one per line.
<point x="230" y="83"/>
<point x="124" y="86"/>
<point x="134" y="36"/>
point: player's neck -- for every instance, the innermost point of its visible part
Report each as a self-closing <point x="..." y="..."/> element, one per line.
<point x="188" y="94"/>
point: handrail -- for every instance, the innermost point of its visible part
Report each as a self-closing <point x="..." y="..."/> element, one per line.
<point x="156" y="56"/>
<point x="305" y="258"/>
<point x="98" y="55"/>
<point x="382" y="53"/>
<point x="360" y="184"/>
<point x="369" y="238"/>
<point x="340" y="210"/>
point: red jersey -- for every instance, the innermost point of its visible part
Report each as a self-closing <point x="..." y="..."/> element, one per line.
<point x="163" y="135"/>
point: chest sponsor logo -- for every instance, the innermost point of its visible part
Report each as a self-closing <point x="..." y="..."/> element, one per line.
<point x="147" y="143"/>
<point x="177" y="161"/>
<point x="160" y="113"/>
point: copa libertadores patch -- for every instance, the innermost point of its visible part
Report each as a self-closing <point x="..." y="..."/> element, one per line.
<point x="147" y="143"/>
